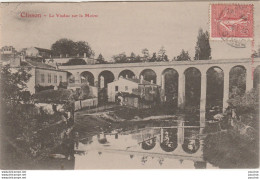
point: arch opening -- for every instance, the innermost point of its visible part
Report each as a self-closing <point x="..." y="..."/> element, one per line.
<point x="170" y="87"/>
<point x="237" y="81"/>
<point x="191" y="142"/>
<point x="192" y="89"/>
<point x="149" y="75"/>
<point x="71" y="78"/>
<point x="214" y="92"/>
<point x="149" y="144"/>
<point x="168" y="140"/>
<point x="127" y="74"/>
<point x="104" y="78"/>
<point x="87" y="77"/>
<point x="256" y="77"/>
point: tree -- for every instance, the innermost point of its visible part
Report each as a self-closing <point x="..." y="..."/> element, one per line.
<point x="101" y="59"/>
<point x="82" y="47"/>
<point x="66" y="46"/>
<point x="13" y="86"/>
<point x="146" y="54"/>
<point x="162" y="55"/>
<point x="15" y="100"/>
<point x="132" y="57"/>
<point x="184" y="56"/>
<point x="137" y="59"/>
<point x="75" y="61"/>
<point x="202" y="49"/>
<point x="120" y="58"/>
<point x="154" y="58"/>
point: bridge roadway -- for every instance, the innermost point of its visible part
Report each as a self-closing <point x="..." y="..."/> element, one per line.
<point x="180" y="67"/>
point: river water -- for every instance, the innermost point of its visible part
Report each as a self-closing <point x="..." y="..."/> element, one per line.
<point x="154" y="145"/>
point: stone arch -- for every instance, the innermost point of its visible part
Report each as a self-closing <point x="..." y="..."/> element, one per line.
<point x="149" y="144"/>
<point x="215" y="90"/>
<point x="149" y="75"/>
<point x="87" y="77"/>
<point x="192" y="89"/>
<point x="256" y="78"/>
<point x="127" y="74"/>
<point x="71" y="78"/>
<point x="170" y="81"/>
<point x="191" y="142"/>
<point x="237" y="80"/>
<point x="107" y="76"/>
<point x="168" y="139"/>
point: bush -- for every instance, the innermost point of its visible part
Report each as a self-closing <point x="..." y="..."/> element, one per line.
<point x="229" y="149"/>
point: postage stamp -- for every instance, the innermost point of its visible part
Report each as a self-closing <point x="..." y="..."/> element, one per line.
<point x="231" y="21"/>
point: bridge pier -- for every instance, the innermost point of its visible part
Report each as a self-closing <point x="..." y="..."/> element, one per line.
<point x="226" y="89"/>
<point x="203" y="96"/>
<point x="181" y="90"/>
<point x="249" y="78"/>
<point x="163" y="88"/>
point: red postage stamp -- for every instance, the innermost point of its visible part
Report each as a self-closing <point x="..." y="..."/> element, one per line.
<point x="231" y="21"/>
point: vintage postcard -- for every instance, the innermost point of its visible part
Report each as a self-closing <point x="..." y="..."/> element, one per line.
<point x="130" y="85"/>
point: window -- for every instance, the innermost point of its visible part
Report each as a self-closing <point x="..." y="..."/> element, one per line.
<point x="55" y="78"/>
<point x="116" y="88"/>
<point x="126" y="88"/>
<point x="42" y="78"/>
<point x="60" y="78"/>
<point x="49" y="78"/>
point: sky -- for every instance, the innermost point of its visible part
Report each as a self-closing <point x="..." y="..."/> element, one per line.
<point x="120" y="27"/>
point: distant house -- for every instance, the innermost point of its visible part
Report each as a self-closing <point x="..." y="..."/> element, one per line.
<point x="43" y="75"/>
<point x="7" y="54"/>
<point x="8" y="50"/>
<point x="36" y="52"/>
<point x="134" y="92"/>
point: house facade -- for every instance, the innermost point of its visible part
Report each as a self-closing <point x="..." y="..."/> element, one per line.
<point x="42" y="75"/>
<point x="8" y="50"/>
<point x="134" y="92"/>
<point x="37" y="52"/>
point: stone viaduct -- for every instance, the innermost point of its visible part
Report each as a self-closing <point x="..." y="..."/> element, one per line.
<point x="180" y="67"/>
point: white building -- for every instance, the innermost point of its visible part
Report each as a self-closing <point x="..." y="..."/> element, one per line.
<point x="121" y="85"/>
<point x="128" y="85"/>
<point x="42" y="74"/>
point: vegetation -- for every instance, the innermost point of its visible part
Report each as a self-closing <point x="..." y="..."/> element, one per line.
<point x="237" y="147"/>
<point x="75" y="61"/>
<point x="101" y="59"/>
<point x="202" y="49"/>
<point x="184" y="56"/>
<point x="29" y="133"/>
<point x="68" y="47"/>
<point x="228" y="149"/>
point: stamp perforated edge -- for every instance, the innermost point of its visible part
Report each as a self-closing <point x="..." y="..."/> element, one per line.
<point x="236" y="38"/>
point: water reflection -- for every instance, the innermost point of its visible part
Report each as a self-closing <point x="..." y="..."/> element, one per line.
<point x="176" y="146"/>
<point x="168" y="140"/>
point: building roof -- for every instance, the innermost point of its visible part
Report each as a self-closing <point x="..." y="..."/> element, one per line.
<point x="28" y="62"/>
<point x="43" y="49"/>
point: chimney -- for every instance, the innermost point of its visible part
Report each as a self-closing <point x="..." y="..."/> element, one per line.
<point x="85" y="55"/>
